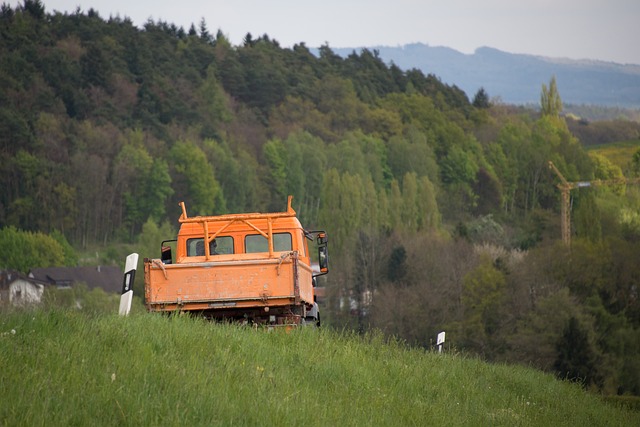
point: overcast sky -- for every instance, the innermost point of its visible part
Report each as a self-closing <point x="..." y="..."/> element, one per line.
<point x="607" y="30"/>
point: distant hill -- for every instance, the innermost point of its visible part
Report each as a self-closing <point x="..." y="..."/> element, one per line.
<point x="518" y="78"/>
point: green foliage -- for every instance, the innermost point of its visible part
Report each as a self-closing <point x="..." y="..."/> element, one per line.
<point x="148" y="245"/>
<point x="276" y="156"/>
<point x="397" y="268"/>
<point x="409" y="208"/>
<point x="630" y="223"/>
<point x="336" y="98"/>
<point x="69" y="254"/>
<point x="608" y="132"/>
<point x="550" y="102"/>
<point x="24" y="250"/>
<point x="576" y="359"/>
<point x="488" y="189"/>
<point x="482" y="298"/>
<point x="635" y="163"/>
<point x="146" y="182"/>
<point x="412" y="154"/>
<point x="604" y="168"/>
<point x="237" y="175"/>
<point x="163" y="85"/>
<point x="458" y="166"/>
<point x="587" y="218"/>
<point x="485" y="229"/>
<point x="429" y="217"/>
<point x="481" y="99"/>
<point x="194" y="179"/>
<point x="538" y="330"/>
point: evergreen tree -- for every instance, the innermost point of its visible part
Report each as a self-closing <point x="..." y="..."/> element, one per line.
<point x="35" y="8"/>
<point x="481" y="99"/>
<point x="576" y="359"/>
<point x="204" y="32"/>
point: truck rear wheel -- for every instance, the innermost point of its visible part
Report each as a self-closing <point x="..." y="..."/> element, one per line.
<point x="312" y="321"/>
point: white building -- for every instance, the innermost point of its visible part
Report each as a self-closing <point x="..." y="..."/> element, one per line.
<point x="19" y="290"/>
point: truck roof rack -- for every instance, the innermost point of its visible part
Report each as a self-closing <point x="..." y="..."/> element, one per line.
<point x="234" y="218"/>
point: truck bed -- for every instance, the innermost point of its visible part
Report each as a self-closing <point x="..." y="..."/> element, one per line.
<point x="229" y="282"/>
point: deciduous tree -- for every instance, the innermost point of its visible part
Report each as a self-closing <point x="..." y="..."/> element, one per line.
<point x="195" y="181"/>
<point x="550" y="102"/>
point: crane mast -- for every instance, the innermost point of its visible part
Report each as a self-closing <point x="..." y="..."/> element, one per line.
<point x="565" y="209"/>
<point x="565" y="188"/>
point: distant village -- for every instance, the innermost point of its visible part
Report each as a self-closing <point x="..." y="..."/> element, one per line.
<point x="18" y="289"/>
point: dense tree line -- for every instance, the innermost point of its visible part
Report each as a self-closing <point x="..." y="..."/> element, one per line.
<point x="442" y="212"/>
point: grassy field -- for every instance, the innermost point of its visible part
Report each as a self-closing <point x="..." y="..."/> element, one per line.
<point x="619" y="153"/>
<point x="64" y="368"/>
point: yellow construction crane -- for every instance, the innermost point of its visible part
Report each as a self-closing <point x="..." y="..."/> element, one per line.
<point x="565" y="190"/>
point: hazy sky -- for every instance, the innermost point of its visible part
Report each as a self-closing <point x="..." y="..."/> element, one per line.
<point x="608" y="30"/>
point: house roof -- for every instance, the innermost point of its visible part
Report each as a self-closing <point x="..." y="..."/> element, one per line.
<point x="7" y="277"/>
<point x="105" y="277"/>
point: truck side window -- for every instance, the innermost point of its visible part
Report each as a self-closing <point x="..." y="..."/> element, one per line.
<point x="254" y="243"/>
<point x="221" y="245"/>
<point x="303" y="249"/>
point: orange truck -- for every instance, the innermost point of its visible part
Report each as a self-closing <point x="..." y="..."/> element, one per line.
<point x="255" y="268"/>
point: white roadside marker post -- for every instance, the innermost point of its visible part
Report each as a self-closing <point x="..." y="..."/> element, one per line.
<point x="440" y="341"/>
<point x="127" y="284"/>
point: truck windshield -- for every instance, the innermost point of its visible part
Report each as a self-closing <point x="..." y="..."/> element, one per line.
<point x="221" y="245"/>
<point x="254" y="243"/>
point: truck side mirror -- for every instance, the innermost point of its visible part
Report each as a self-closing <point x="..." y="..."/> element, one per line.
<point x="165" y="251"/>
<point x="323" y="259"/>
<point x="165" y="256"/>
<point x="321" y="239"/>
<point x="323" y="253"/>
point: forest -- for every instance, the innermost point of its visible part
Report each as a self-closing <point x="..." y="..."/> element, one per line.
<point x="442" y="212"/>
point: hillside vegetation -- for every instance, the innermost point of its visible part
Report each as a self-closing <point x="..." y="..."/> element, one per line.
<point x="65" y="368"/>
<point x="442" y="212"/>
<point x="620" y="153"/>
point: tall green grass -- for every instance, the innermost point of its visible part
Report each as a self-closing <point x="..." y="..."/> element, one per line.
<point x="66" y="368"/>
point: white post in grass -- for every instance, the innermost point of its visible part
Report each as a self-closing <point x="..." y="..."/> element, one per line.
<point x="127" y="284"/>
<point x="440" y="341"/>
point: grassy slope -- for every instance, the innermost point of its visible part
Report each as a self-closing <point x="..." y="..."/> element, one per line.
<point x="63" y="368"/>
